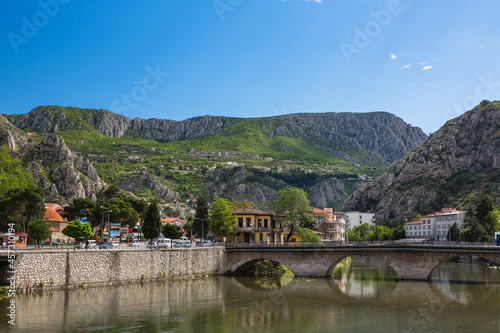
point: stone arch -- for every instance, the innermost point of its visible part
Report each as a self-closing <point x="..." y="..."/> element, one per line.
<point x="445" y="257"/>
<point x="378" y="255"/>
<point x="244" y="265"/>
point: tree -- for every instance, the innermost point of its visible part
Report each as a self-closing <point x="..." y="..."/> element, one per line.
<point x="188" y="226"/>
<point x="122" y="211"/>
<point x="151" y="228"/>
<point x="454" y="233"/>
<point x="38" y="229"/>
<point x="80" y="208"/>
<point x="484" y="207"/>
<point x="306" y="235"/>
<point x="222" y="221"/>
<point x="172" y="231"/>
<point x="492" y="222"/>
<point x="13" y="175"/>
<point x="201" y="217"/>
<point x="290" y="206"/>
<point x="19" y="205"/>
<point x="78" y="230"/>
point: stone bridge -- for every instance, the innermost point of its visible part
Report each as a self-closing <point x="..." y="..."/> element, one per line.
<point x="411" y="262"/>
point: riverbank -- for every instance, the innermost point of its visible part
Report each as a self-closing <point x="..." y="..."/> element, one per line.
<point x="42" y="270"/>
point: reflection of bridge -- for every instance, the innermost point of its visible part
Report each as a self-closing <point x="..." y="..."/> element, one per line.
<point x="412" y="262"/>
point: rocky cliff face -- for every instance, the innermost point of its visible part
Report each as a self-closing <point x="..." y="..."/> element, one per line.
<point x="63" y="175"/>
<point x="368" y="138"/>
<point x="138" y="181"/>
<point x="468" y="144"/>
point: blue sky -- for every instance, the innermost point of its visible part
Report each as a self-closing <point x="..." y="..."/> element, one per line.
<point x="425" y="61"/>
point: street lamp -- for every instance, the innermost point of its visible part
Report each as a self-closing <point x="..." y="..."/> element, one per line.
<point x="202" y="227"/>
<point x="109" y="228"/>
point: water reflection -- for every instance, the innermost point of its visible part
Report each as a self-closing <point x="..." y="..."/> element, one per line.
<point x="355" y="301"/>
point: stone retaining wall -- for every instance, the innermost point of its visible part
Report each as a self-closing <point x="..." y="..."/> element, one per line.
<point x="69" y="269"/>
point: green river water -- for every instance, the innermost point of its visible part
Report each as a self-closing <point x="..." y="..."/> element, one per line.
<point x="363" y="297"/>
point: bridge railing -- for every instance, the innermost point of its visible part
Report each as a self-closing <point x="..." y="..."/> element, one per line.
<point x="391" y="243"/>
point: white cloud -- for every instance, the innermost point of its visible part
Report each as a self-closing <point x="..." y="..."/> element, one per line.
<point x="407" y="66"/>
<point x="393" y="56"/>
<point x="427" y="67"/>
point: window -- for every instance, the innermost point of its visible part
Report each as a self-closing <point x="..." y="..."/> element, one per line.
<point x="261" y="236"/>
<point x="260" y="223"/>
<point x="265" y="223"/>
<point x="249" y="222"/>
<point x="240" y="222"/>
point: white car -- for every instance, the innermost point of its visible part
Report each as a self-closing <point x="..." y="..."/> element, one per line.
<point x="114" y="243"/>
<point x="134" y="244"/>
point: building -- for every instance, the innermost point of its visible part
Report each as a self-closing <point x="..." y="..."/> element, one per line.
<point x="331" y="225"/>
<point x="56" y="224"/>
<point x="357" y="218"/>
<point x="435" y="226"/>
<point x="255" y="225"/>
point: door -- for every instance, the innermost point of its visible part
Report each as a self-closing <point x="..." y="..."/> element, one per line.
<point x="246" y="237"/>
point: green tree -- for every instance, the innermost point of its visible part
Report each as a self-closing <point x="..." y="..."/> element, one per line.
<point x="290" y="206"/>
<point x="151" y="228"/>
<point x="80" y="208"/>
<point x="122" y="211"/>
<point x="484" y="207"/>
<point x="13" y="175"/>
<point x="188" y="226"/>
<point x="172" y="231"/>
<point x="306" y="235"/>
<point x="222" y="221"/>
<point x="19" y="205"/>
<point x="454" y="233"/>
<point x="201" y="217"/>
<point x="398" y="232"/>
<point x="492" y="222"/>
<point x="38" y="229"/>
<point x="78" y="230"/>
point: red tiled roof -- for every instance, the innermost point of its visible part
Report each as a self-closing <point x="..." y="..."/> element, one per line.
<point x="416" y="222"/>
<point x="171" y="219"/>
<point x="52" y="215"/>
<point x="319" y="211"/>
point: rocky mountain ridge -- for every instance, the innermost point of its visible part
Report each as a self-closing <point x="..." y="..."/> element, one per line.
<point x="432" y="175"/>
<point x="375" y="137"/>
<point x="62" y="174"/>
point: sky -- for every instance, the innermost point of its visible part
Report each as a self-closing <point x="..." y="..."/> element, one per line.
<point x="425" y="61"/>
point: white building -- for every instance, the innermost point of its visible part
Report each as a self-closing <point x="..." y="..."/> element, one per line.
<point x="435" y="226"/>
<point x="357" y="218"/>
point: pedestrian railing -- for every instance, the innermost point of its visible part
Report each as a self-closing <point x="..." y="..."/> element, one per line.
<point x="336" y="244"/>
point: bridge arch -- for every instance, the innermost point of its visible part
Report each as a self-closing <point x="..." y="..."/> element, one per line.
<point x="368" y="255"/>
<point x="409" y="262"/>
<point x="446" y="258"/>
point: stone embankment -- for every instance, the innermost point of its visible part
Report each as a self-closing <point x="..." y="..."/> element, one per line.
<point x="35" y="270"/>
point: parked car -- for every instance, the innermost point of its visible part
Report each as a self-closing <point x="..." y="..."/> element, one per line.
<point x="182" y="244"/>
<point x="153" y="245"/>
<point x="92" y="243"/>
<point x="134" y="244"/>
<point x="106" y="245"/>
<point x="114" y="243"/>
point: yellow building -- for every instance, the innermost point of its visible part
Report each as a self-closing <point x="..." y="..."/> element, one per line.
<point x="258" y="226"/>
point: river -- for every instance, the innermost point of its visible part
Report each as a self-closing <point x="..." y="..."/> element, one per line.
<point x="362" y="297"/>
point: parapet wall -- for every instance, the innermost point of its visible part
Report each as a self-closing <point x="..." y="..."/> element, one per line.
<point x="69" y="269"/>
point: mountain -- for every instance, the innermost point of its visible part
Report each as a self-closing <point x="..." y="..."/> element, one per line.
<point x="458" y="163"/>
<point x="62" y="174"/>
<point x="373" y="139"/>
<point x="237" y="158"/>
